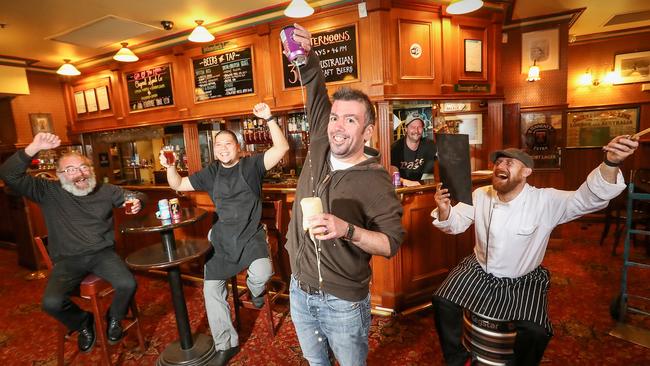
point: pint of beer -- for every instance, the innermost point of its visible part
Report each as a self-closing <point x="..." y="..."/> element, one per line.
<point x="310" y="207"/>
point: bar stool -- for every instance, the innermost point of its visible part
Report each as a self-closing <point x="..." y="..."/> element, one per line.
<point x="275" y="285"/>
<point x="490" y="341"/>
<point x="93" y="290"/>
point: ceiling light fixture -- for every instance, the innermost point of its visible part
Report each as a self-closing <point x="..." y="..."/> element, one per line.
<point x="68" y="69"/>
<point x="533" y="72"/>
<point x="298" y="9"/>
<point x="463" y="6"/>
<point x="125" y="54"/>
<point x="200" y="34"/>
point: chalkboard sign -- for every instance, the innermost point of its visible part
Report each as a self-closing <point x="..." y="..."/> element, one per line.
<point x="337" y="50"/>
<point x="150" y="88"/>
<point x="454" y="166"/>
<point x="223" y="75"/>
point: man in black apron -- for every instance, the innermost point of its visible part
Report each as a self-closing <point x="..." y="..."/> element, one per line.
<point x="235" y="186"/>
<point x="503" y="279"/>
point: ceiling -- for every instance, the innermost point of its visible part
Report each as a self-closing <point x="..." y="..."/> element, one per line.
<point x="28" y="26"/>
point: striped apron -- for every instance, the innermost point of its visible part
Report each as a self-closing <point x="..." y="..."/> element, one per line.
<point x="522" y="298"/>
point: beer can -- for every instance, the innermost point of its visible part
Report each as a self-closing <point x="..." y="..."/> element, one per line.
<point x="296" y="54"/>
<point x="163" y="209"/>
<point x="396" y="180"/>
<point x="175" y="208"/>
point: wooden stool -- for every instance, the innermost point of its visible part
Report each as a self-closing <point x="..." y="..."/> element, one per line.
<point x="490" y="341"/>
<point x="93" y="291"/>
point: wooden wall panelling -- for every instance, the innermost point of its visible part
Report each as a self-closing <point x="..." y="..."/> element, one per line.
<point x="415" y="50"/>
<point x="7" y="128"/>
<point x="46" y="96"/>
<point x="383" y="131"/>
<point x="192" y="146"/>
<point x="511" y="125"/>
<point x="415" y="77"/>
<point x="493" y="137"/>
<point x="380" y="41"/>
<point x="98" y="119"/>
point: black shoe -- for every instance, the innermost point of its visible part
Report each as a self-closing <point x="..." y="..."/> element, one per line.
<point x="258" y="301"/>
<point x="114" y="331"/>
<point x="86" y="337"/>
<point x="222" y="357"/>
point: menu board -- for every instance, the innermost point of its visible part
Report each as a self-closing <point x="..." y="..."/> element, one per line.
<point x="337" y="50"/>
<point x="223" y="75"/>
<point x="150" y="88"/>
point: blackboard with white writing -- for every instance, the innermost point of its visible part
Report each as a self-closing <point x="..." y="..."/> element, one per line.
<point x="337" y="50"/>
<point x="150" y="88"/>
<point x="223" y="75"/>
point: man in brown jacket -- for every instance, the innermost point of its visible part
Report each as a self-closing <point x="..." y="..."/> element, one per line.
<point x="330" y="263"/>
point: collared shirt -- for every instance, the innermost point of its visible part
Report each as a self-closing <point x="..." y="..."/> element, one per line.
<point x="511" y="237"/>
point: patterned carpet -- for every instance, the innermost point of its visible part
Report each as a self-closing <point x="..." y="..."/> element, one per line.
<point x="585" y="277"/>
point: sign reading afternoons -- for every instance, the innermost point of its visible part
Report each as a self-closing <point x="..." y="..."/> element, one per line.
<point x="223" y="75"/>
<point x="150" y="88"/>
<point x="337" y="50"/>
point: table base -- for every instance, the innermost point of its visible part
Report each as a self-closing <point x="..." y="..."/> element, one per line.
<point x="199" y="355"/>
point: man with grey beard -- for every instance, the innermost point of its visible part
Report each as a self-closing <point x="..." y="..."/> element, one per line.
<point x="78" y="214"/>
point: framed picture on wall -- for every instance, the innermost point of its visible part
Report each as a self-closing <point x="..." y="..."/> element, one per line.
<point x="41" y="122"/>
<point x="541" y="137"/>
<point x="632" y="67"/>
<point x="596" y="127"/>
<point x="467" y="124"/>
<point x="540" y="48"/>
<point x="473" y="55"/>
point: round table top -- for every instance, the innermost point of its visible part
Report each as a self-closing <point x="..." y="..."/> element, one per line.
<point x="156" y="257"/>
<point x="148" y="223"/>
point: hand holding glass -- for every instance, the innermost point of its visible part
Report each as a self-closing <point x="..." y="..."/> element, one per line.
<point x="310" y="206"/>
<point x="130" y="200"/>
<point x="168" y="153"/>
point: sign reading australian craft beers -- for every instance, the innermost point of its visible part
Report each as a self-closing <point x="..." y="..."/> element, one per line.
<point x="150" y="88"/>
<point x="337" y="50"/>
<point x="223" y="75"/>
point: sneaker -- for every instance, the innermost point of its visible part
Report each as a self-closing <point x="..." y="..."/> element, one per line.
<point x="86" y="337"/>
<point x="258" y="301"/>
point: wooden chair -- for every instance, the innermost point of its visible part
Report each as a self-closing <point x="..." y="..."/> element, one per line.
<point x="275" y="287"/>
<point x="93" y="290"/>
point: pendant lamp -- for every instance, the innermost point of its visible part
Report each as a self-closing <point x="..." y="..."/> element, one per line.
<point x="68" y="69"/>
<point x="463" y="6"/>
<point x="200" y="34"/>
<point x="298" y="9"/>
<point x="125" y="54"/>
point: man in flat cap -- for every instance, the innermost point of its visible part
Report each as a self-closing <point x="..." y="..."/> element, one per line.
<point x="413" y="155"/>
<point x="503" y="279"/>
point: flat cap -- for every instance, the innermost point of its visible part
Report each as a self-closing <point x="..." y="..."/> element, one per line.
<point x="515" y="154"/>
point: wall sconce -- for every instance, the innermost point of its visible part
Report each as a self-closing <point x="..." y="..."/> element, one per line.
<point x="610" y="78"/>
<point x="463" y="6"/>
<point x="533" y="72"/>
<point x="200" y="34"/>
<point x="68" y="69"/>
<point x="125" y="54"/>
<point x="298" y="9"/>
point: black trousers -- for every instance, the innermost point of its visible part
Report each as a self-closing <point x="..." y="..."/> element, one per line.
<point x="68" y="273"/>
<point x="530" y="343"/>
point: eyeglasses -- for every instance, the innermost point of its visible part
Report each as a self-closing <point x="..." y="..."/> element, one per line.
<point x="73" y="169"/>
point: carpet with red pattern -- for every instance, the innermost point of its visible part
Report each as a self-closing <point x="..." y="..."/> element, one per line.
<point x="585" y="278"/>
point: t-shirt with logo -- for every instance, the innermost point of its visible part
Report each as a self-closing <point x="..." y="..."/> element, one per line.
<point x="412" y="164"/>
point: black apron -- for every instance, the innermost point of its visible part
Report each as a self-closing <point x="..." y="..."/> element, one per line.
<point x="237" y="236"/>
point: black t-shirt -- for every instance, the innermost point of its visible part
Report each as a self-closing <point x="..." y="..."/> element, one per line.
<point x="412" y="164"/>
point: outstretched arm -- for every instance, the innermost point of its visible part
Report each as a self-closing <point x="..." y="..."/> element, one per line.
<point x="42" y="141"/>
<point x="615" y="153"/>
<point x="280" y="145"/>
<point x="175" y="181"/>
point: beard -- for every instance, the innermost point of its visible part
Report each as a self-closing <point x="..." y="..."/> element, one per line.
<point x="504" y="186"/>
<point x="69" y="184"/>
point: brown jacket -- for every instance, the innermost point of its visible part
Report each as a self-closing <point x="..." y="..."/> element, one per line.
<point x="362" y="195"/>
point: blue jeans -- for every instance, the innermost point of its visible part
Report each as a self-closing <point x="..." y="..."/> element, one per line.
<point x="323" y="319"/>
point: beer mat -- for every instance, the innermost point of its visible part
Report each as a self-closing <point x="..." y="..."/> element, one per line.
<point x="639" y="134"/>
<point x="454" y="166"/>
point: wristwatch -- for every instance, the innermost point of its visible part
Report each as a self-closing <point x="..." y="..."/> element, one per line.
<point x="350" y="233"/>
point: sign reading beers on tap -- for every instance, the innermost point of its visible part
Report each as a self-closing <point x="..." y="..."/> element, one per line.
<point x="337" y="50"/>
